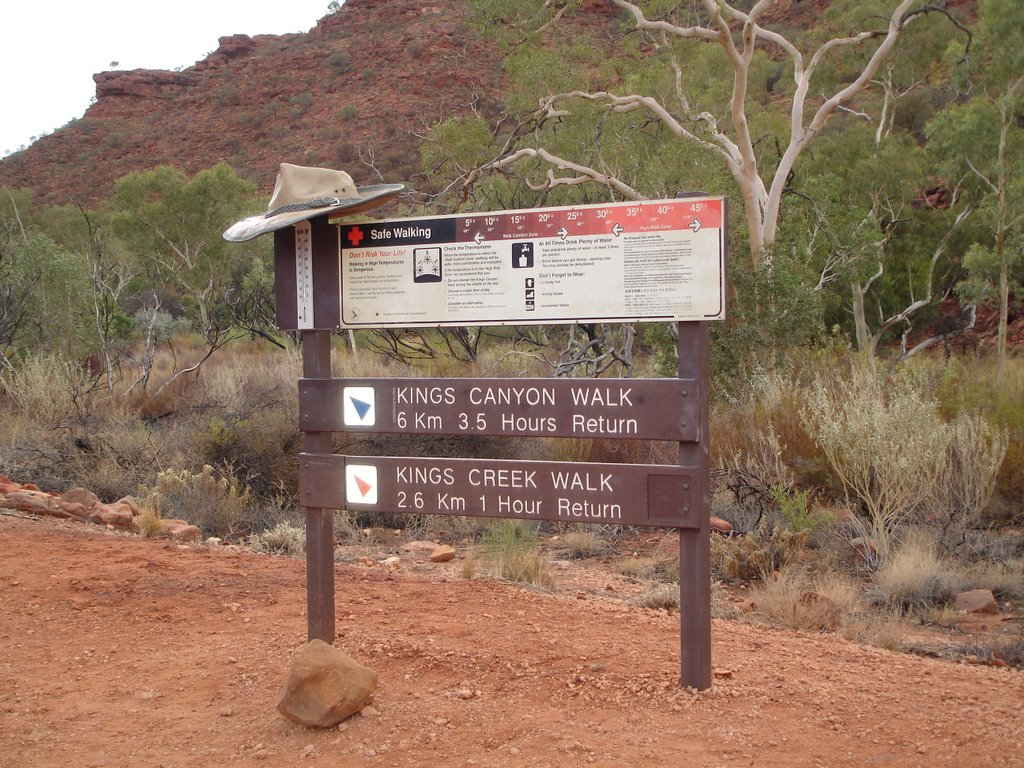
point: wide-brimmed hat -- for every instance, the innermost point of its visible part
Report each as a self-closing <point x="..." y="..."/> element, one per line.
<point x="304" y="193"/>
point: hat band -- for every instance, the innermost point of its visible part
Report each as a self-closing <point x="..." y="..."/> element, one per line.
<point x="319" y="202"/>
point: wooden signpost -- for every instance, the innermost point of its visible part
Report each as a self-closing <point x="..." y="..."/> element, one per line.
<point x="653" y="261"/>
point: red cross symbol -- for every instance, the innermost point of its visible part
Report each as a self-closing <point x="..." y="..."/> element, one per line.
<point x="355" y="236"/>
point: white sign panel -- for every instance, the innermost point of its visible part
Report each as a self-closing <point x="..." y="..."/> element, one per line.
<point x="658" y="260"/>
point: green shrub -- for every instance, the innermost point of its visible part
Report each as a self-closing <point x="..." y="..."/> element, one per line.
<point x="795" y="508"/>
<point x="339" y="62"/>
<point x="886" y="441"/>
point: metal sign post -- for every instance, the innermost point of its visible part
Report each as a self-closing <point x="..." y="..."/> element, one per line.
<point x="316" y="364"/>
<point x="695" y="543"/>
<point x="653" y="261"/>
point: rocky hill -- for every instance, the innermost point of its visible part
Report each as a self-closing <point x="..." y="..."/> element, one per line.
<point x="355" y="92"/>
<point x="351" y="93"/>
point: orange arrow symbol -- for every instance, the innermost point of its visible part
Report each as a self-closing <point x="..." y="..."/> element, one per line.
<point x="364" y="487"/>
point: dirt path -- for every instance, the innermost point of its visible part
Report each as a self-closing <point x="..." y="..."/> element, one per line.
<point x="122" y="651"/>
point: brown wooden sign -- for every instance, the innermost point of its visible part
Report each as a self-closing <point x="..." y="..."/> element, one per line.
<point x="634" y="409"/>
<point x="611" y="494"/>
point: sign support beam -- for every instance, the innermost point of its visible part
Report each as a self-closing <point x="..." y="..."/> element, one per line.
<point x="316" y="364"/>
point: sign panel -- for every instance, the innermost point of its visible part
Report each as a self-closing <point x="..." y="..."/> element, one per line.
<point x="658" y="260"/>
<point x="636" y="409"/>
<point x="610" y="494"/>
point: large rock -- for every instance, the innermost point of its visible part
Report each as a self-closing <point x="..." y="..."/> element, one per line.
<point x="442" y="554"/>
<point x="179" y="530"/>
<point x="976" y="601"/>
<point x="325" y="686"/>
<point x="33" y="502"/>
<point x="77" y="511"/>
<point x="117" y="515"/>
<point x="82" y="496"/>
<point x="131" y="504"/>
<point x="141" y="83"/>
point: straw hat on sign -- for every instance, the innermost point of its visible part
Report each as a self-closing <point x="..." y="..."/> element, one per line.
<point x="305" y="193"/>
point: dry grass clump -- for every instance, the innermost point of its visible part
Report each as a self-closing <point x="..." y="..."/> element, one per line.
<point x="147" y="522"/>
<point x="793" y="599"/>
<point x="916" y="575"/>
<point x="47" y="388"/>
<point x="216" y="504"/>
<point x="581" y="544"/>
<point x="756" y="555"/>
<point x="880" y="629"/>
<point x="1004" y="579"/>
<point x="636" y="567"/>
<point x="283" y="539"/>
<point x="754" y="433"/>
<point x="659" y="597"/>
<point x="511" y="550"/>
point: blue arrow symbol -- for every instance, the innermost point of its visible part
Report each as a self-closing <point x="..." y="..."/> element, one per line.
<point x="362" y="408"/>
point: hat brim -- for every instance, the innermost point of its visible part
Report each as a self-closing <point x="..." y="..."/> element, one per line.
<point x="369" y="197"/>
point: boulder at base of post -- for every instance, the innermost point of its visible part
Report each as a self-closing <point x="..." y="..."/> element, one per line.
<point x="325" y="686"/>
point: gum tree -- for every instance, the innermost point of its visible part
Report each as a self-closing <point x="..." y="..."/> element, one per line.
<point x="983" y="140"/>
<point x="714" y="76"/>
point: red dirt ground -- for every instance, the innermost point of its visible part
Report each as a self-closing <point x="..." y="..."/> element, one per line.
<point x="124" y="651"/>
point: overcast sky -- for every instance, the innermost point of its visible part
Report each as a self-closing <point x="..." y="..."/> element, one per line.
<point x="49" y="50"/>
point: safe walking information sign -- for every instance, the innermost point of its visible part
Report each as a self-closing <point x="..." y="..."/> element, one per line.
<point x="659" y="260"/>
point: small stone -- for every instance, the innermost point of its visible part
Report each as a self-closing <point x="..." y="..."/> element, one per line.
<point x="308" y="751"/>
<point x="464" y="693"/>
<point x="213" y="541"/>
<point x="226" y="712"/>
<point x="718" y="525"/>
<point x="369" y="711"/>
<point x="866" y="548"/>
<point x="976" y="601"/>
<point x="420" y="546"/>
<point x="391" y="562"/>
<point x="442" y="554"/>
<point x="723" y="674"/>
